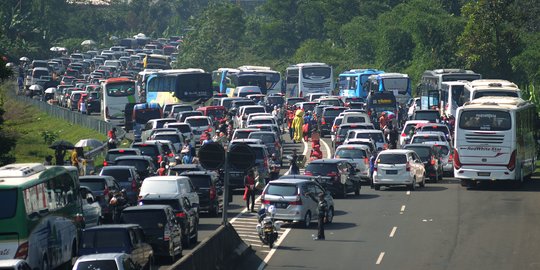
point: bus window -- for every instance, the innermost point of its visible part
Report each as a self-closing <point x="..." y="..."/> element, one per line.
<point x="485" y="120"/>
<point x="120" y="90"/>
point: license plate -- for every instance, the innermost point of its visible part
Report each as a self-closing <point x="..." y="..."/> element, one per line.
<point x="281" y="205"/>
<point x="391" y="172"/>
<point x="484" y="174"/>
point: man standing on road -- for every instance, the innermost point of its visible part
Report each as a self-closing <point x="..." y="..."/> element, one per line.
<point x="111" y="143"/>
<point x="323" y="208"/>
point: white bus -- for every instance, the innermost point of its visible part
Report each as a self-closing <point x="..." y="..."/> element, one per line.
<point x="483" y="88"/>
<point x="305" y="78"/>
<point x="273" y="78"/>
<point x="431" y="84"/>
<point x="453" y="95"/>
<point x="494" y="140"/>
<point x="117" y="92"/>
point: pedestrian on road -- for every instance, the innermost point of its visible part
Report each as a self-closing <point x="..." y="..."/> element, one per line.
<point x="111" y="134"/>
<point x="83" y="106"/>
<point x="297" y="124"/>
<point x="249" y="190"/>
<point x="294" y="164"/>
<point x="162" y="170"/>
<point x="323" y="208"/>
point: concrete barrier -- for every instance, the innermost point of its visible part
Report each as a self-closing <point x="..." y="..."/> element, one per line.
<point x="222" y="250"/>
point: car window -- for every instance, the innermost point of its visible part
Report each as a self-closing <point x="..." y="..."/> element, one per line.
<point x="148" y="150"/>
<point x="93" y="265"/>
<point x="198" y="122"/>
<point x="200" y="181"/>
<point x="376" y="136"/>
<point x="282" y="189"/>
<point x="104" y="239"/>
<point x="147" y="219"/>
<point x="351" y="153"/>
<point x="392" y="159"/>
<point x="119" y="174"/>
<point x="423" y="152"/>
<point x="141" y="165"/>
<point x="321" y="168"/>
<point x="93" y="184"/>
<point x="174" y="203"/>
<point x="265" y="138"/>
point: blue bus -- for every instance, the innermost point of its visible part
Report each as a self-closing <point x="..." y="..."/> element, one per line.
<point x="178" y="86"/>
<point x="352" y="83"/>
<point x="397" y="83"/>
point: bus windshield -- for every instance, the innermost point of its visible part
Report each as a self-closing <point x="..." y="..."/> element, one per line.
<point x="399" y="84"/>
<point x="8" y="200"/>
<point x="485" y="120"/>
<point x="495" y="93"/>
<point x="316" y="73"/>
<point x="121" y="89"/>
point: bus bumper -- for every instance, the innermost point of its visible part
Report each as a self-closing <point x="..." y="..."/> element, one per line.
<point x="484" y="174"/>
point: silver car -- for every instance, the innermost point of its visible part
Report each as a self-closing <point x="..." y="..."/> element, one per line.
<point x="295" y="199"/>
<point x="359" y="156"/>
<point x="110" y="261"/>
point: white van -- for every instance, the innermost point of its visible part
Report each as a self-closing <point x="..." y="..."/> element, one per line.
<point x="169" y="185"/>
<point x="244" y="91"/>
<point x="355" y="117"/>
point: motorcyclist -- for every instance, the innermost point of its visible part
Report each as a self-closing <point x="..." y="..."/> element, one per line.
<point x="294" y="164"/>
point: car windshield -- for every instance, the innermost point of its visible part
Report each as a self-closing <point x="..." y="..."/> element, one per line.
<point x="198" y="122"/>
<point x="423" y="152"/>
<point x="172" y="138"/>
<point x="317" y="72"/>
<point x="147" y="219"/>
<point x="8" y="200"/>
<point x="200" y="181"/>
<point x="485" y="120"/>
<point x="332" y="112"/>
<point x="95" y="265"/>
<point x="392" y="159"/>
<point x="147" y="150"/>
<point x="351" y="153"/>
<point x="282" y="190"/>
<point x="93" y="184"/>
<point x="105" y="238"/>
<point x="160" y="187"/>
<point x="140" y="165"/>
<point x="261" y="122"/>
<point x="321" y="168"/>
<point x="356" y="119"/>
<point x="376" y="137"/>
<point x="422" y="138"/>
<point x="119" y="174"/>
<point x="265" y="138"/>
<point x="175" y="204"/>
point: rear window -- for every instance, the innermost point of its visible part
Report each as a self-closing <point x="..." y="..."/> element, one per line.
<point x="200" y="181"/>
<point x="242" y="134"/>
<point x="112" y="156"/>
<point x="265" y="138"/>
<point x="93" y="265"/>
<point x="261" y="122"/>
<point x="485" y="120"/>
<point x="291" y="101"/>
<point x="435" y="128"/>
<point x="275" y="100"/>
<point x="432" y="116"/>
<point x="140" y="165"/>
<point x="183" y="128"/>
<point x="321" y="168"/>
<point x="356" y="119"/>
<point x="93" y="184"/>
<point x="351" y="153"/>
<point x="282" y="190"/>
<point x="105" y="238"/>
<point x="160" y="187"/>
<point x="343" y="130"/>
<point x="148" y="150"/>
<point x="392" y="159"/>
<point x="248" y="111"/>
<point x="259" y="152"/>
<point x="332" y="112"/>
<point x="8" y="200"/>
<point x="215" y="113"/>
<point x="120" y="175"/>
<point x="421" y="139"/>
<point x="499" y="93"/>
<point x="444" y="149"/>
<point x="147" y="219"/>
<point x="177" y="109"/>
<point x="331" y="102"/>
<point x="175" y="204"/>
<point x="376" y="137"/>
<point x="172" y="138"/>
<point x="198" y="122"/>
<point x="423" y="152"/>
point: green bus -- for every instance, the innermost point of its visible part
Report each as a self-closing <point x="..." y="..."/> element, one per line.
<point x="40" y="214"/>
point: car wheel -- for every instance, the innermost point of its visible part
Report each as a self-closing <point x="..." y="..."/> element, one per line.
<point x="330" y="215"/>
<point x="307" y="220"/>
<point x="377" y="187"/>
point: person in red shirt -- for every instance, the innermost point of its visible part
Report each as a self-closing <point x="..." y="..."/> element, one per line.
<point x="382" y="121"/>
<point x="316" y="152"/>
<point x="162" y="171"/>
<point x="111" y="134"/>
<point x="249" y="190"/>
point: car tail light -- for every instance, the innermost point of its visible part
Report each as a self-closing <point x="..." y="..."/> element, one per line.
<point x="298" y="201"/>
<point x="212" y="193"/>
<point x="105" y="163"/>
<point x="170" y="155"/>
<point x="512" y="162"/>
<point x="457" y="162"/>
<point x="366" y="161"/>
<point x="408" y="167"/>
<point x="432" y="161"/>
<point x="181" y="215"/>
<point x="333" y="175"/>
<point x="450" y="158"/>
<point x="209" y="130"/>
<point x="403" y="134"/>
<point x="385" y="146"/>
<point x="308" y="173"/>
<point x="265" y="201"/>
<point x="133" y="185"/>
<point x="323" y="121"/>
<point x="22" y="251"/>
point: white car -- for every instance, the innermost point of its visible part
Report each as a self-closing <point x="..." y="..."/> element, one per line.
<point x="170" y="185"/>
<point x="358" y="156"/>
<point x="414" y="103"/>
<point x="335" y="127"/>
<point x="109" y="261"/>
<point x="405" y="138"/>
<point x="262" y="120"/>
<point x="421" y="137"/>
<point x="199" y="125"/>
<point x="376" y="135"/>
<point x="398" y="167"/>
<point x="355" y="117"/>
<point x="245" y="111"/>
<point x="15" y="264"/>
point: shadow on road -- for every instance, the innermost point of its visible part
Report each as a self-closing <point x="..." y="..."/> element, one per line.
<point x="530" y="186"/>
<point x="339" y="225"/>
<point x="431" y="188"/>
<point x="291" y="248"/>
<point x="208" y="227"/>
<point x="339" y="213"/>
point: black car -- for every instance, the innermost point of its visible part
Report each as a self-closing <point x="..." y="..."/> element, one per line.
<point x="181" y="168"/>
<point x="431" y="157"/>
<point x="160" y="226"/>
<point x="153" y="149"/>
<point x="340" y="177"/>
<point x="93" y="102"/>
<point x="127" y="177"/>
<point x="112" y="154"/>
<point x="327" y="117"/>
<point x="187" y="216"/>
<point x="118" y="238"/>
<point x="206" y="184"/>
<point x="143" y="164"/>
<point x="102" y="187"/>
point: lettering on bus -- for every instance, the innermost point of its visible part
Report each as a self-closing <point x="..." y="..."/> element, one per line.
<point x="483" y="148"/>
<point x="382" y="101"/>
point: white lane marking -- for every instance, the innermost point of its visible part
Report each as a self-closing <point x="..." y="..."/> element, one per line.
<point x="273" y="250"/>
<point x="328" y="152"/>
<point x="305" y="148"/>
<point x="393" y="232"/>
<point x="402" y="209"/>
<point x="408" y="192"/>
<point x="379" y="260"/>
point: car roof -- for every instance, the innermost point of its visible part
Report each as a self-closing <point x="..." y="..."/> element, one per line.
<point x="166" y="196"/>
<point x="422" y="145"/>
<point x="353" y="146"/>
<point x="209" y="173"/>
<point x="294" y="181"/>
<point x="128" y="157"/>
<point x="366" y="131"/>
<point x="146" y="207"/>
<point x="396" y="151"/>
<point x="167" y="178"/>
<point x="103" y="177"/>
<point x="119" y="167"/>
<point x="101" y="256"/>
<point x="149" y="142"/>
<point x="112" y="226"/>
<point x="326" y="160"/>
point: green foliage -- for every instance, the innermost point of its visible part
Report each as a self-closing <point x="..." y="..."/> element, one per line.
<point x="49" y="136"/>
<point x="8" y="140"/>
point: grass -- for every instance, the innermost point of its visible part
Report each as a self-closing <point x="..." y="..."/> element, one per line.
<point x="28" y="124"/>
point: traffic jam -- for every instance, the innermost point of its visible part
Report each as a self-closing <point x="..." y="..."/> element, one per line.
<point x="315" y="137"/>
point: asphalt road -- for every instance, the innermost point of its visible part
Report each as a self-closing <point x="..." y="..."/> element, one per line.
<point x="441" y="226"/>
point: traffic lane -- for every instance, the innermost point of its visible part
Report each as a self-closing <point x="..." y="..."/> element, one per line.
<point x="354" y="239"/>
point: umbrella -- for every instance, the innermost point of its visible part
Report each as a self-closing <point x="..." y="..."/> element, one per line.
<point x="61" y="144"/>
<point x="24" y="59"/>
<point x="58" y="49"/>
<point x="36" y="87"/>
<point x="113" y="38"/>
<point x="10" y="65"/>
<point x="92" y="143"/>
<point x="88" y="42"/>
<point x="50" y="90"/>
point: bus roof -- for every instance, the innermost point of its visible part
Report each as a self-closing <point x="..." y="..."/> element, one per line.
<point x="390" y="75"/>
<point x="229" y="70"/>
<point x="309" y="65"/>
<point x="149" y="71"/>
<point x="361" y="71"/>
<point x="496" y="103"/>
<point x="442" y="71"/>
<point x="493" y="84"/>
<point x="254" y="68"/>
<point x="118" y="80"/>
<point x="180" y="71"/>
<point x="25" y="174"/>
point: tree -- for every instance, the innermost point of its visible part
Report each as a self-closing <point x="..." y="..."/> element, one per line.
<point x="8" y="141"/>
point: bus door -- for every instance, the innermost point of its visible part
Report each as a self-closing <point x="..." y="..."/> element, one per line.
<point x="430" y="100"/>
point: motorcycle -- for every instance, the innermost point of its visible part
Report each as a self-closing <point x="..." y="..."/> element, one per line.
<point x="268" y="228"/>
<point x="118" y="202"/>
